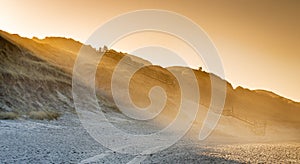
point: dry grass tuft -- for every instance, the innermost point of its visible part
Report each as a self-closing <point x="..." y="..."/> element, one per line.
<point x="43" y="115"/>
<point x="8" y="115"/>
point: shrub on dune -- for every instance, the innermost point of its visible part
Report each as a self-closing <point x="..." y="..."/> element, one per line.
<point x="43" y="115"/>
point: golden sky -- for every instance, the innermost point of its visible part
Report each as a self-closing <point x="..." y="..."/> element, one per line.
<point x="258" y="40"/>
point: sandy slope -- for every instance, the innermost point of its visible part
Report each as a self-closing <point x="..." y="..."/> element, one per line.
<point x="30" y="84"/>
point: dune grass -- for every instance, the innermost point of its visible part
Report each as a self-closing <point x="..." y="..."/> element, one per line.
<point x="8" y="115"/>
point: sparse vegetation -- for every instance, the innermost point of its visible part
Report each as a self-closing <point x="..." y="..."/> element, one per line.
<point x="43" y="115"/>
<point x="8" y="115"/>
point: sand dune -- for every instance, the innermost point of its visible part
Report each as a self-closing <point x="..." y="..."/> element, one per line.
<point x="36" y="75"/>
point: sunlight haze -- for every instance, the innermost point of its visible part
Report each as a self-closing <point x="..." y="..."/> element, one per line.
<point x="258" y="41"/>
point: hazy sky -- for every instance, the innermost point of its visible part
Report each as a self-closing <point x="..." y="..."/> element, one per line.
<point x="258" y="40"/>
